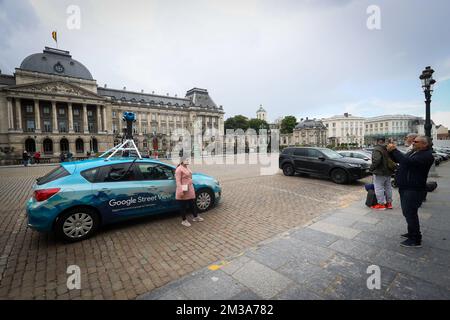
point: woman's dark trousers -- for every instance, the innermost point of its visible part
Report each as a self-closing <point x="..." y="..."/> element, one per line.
<point x="186" y="205"/>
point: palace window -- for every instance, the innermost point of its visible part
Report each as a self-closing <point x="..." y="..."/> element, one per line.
<point x="46" y="110"/>
<point x="91" y="127"/>
<point x="76" y="112"/>
<point x="30" y="125"/>
<point x="62" y="126"/>
<point x="61" y="111"/>
<point x="76" y="127"/>
<point x="47" y="126"/>
<point x="29" y="109"/>
<point x="90" y="113"/>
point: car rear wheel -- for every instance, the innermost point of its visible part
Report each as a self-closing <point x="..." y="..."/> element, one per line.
<point x="204" y="200"/>
<point x="77" y="224"/>
<point x="339" y="176"/>
<point x="288" y="169"/>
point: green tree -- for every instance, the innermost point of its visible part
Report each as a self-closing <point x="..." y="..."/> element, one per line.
<point x="257" y="124"/>
<point x="288" y="124"/>
<point x="236" y="122"/>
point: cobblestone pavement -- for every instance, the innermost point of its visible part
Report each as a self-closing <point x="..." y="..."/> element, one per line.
<point x="329" y="258"/>
<point x="129" y="259"/>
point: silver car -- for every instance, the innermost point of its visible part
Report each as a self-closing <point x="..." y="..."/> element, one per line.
<point x="358" y="154"/>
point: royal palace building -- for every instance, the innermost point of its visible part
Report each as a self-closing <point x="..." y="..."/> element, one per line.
<point x="52" y="104"/>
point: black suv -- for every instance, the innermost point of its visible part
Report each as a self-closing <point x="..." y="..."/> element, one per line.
<point x="322" y="162"/>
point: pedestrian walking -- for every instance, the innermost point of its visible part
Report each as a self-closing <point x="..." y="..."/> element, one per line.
<point x="412" y="179"/>
<point x="185" y="193"/>
<point x="25" y="158"/>
<point x="69" y="156"/>
<point x="37" y="157"/>
<point x="382" y="169"/>
<point x="62" y="157"/>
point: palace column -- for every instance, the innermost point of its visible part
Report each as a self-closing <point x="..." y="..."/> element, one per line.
<point x="37" y="116"/>
<point x="54" y="118"/>
<point x="104" y="118"/>
<point x="10" y="114"/>
<point x="120" y="121"/>
<point x="85" y="119"/>
<point x="99" y="122"/>
<point x="69" y="106"/>
<point x="19" y="114"/>
<point x="139" y="123"/>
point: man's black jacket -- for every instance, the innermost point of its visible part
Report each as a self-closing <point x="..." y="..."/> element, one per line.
<point x="414" y="167"/>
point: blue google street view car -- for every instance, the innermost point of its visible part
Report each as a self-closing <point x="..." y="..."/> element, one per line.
<point x="75" y="198"/>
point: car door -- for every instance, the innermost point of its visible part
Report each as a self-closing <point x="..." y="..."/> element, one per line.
<point x="299" y="156"/>
<point x="158" y="183"/>
<point x="118" y="192"/>
<point x="317" y="162"/>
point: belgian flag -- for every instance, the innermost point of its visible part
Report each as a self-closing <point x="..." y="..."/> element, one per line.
<point x="54" y="36"/>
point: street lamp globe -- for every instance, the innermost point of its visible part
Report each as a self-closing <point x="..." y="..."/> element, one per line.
<point x="427" y="85"/>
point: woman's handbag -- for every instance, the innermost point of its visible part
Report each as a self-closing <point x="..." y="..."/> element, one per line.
<point x="184" y="187"/>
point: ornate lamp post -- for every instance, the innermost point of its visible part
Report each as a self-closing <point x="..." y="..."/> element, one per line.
<point x="427" y="85"/>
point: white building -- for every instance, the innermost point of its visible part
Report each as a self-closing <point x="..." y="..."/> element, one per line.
<point x="310" y="132"/>
<point x="261" y="114"/>
<point x="345" y="129"/>
<point x="395" y="127"/>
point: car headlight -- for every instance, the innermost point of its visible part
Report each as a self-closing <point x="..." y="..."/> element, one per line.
<point x="217" y="182"/>
<point x="354" y="165"/>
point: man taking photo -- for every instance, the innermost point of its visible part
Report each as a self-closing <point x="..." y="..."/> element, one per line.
<point x="411" y="180"/>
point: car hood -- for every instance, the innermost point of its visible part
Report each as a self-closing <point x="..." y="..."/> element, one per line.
<point x="351" y="160"/>
<point x="201" y="176"/>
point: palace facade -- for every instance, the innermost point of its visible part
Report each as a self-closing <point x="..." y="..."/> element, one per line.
<point x="52" y="104"/>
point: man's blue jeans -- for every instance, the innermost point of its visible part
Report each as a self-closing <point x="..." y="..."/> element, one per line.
<point x="411" y="201"/>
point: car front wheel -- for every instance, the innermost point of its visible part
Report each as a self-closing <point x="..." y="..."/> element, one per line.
<point x="204" y="200"/>
<point x="77" y="224"/>
<point x="339" y="176"/>
<point x="288" y="169"/>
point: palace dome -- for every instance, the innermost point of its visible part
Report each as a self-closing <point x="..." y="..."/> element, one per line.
<point x="55" y="61"/>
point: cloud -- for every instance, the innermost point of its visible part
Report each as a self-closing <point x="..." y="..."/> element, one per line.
<point x="294" y="57"/>
<point x="442" y="117"/>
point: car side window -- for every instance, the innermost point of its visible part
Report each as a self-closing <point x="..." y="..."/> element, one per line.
<point x="312" y="153"/>
<point x="117" y="173"/>
<point x="154" y="171"/>
<point x="287" y="151"/>
<point x="90" y="174"/>
<point x="300" y="152"/>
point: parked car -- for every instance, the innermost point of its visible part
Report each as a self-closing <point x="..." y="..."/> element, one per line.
<point x="443" y="155"/>
<point x="442" y="150"/>
<point x="75" y="198"/>
<point x="322" y="162"/>
<point x="437" y="159"/>
<point x="358" y="154"/>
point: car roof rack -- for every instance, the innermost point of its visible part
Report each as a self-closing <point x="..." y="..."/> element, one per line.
<point x="127" y="145"/>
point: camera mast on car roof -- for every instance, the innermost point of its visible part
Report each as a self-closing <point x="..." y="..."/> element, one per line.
<point x="128" y="145"/>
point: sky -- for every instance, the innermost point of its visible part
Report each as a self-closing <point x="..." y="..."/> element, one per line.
<point x="307" y="58"/>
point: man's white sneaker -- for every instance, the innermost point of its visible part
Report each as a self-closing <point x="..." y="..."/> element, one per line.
<point x="186" y="223"/>
<point x="198" y="219"/>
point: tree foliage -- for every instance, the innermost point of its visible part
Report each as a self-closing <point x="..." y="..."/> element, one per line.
<point x="288" y="124"/>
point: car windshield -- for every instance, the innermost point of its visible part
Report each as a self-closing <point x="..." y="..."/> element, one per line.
<point x="331" y="154"/>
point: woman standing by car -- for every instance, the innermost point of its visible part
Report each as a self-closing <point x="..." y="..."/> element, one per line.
<point x="185" y="193"/>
